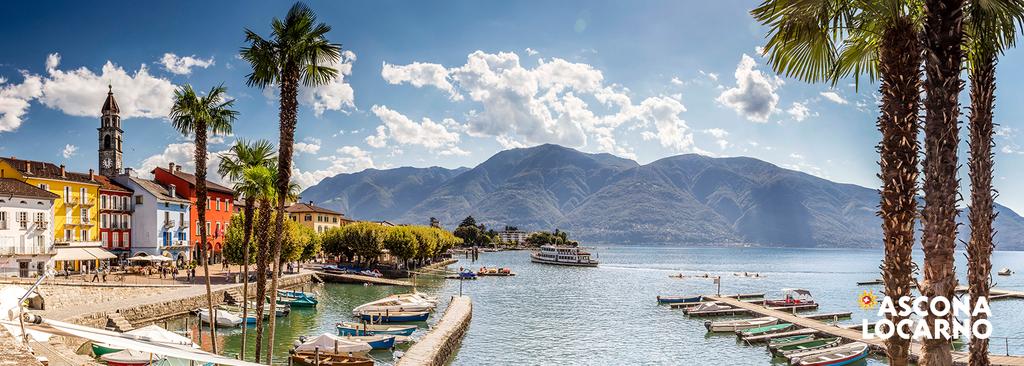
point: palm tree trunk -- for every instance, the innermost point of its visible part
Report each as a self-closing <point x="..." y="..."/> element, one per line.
<point x="201" y="211"/>
<point x="262" y="230"/>
<point x="980" y="246"/>
<point x="943" y="35"/>
<point x="900" y="72"/>
<point x="288" y="117"/>
<point x="247" y="235"/>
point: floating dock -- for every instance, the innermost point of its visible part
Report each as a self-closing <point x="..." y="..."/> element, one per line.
<point x="354" y="278"/>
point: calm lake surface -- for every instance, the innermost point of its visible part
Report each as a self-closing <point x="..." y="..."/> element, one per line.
<point x="550" y="315"/>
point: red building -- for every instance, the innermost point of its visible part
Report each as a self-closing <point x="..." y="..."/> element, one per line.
<point x="218" y="208"/>
<point x="115" y="217"/>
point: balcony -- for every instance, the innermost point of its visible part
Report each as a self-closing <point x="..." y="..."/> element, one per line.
<point x="87" y="202"/>
<point x="168" y="224"/>
<point x="41" y="225"/>
<point x="17" y="246"/>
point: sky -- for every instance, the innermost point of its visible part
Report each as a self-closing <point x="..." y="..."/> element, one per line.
<point x="449" y="84"/>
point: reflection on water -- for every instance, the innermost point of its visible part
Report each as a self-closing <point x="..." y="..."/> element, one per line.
<point x="608" y="315"/>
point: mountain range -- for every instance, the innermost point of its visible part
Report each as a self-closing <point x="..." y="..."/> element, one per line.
<point x="689" y="199"/>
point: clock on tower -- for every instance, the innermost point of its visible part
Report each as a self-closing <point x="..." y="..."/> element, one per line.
<point x="110" y="137"/>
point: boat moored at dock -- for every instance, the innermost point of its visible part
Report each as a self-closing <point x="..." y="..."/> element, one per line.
<point x="739" y="324"/>
<point x="678" y="299"/>
<point x="394" y="316"/>
<point x="361" y="329"/>
<point x="563" y="255"/>
<point x="835" y="356"/>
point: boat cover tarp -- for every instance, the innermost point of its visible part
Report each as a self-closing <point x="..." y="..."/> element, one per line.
<point x="327" y="342"/>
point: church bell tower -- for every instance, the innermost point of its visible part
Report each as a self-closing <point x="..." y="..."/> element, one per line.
<point x="110" y="137"/>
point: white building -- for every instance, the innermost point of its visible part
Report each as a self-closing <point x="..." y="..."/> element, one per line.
<point x="512" y="234"/>
<point x="26" y="228"/>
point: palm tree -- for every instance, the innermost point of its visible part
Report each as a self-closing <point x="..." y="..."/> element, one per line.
<point x="298" y="51"/>
<point x="990" y="28"/>
<point x="234" y="165"/>
<point x="198" y="115"/>
<point x="263" y="182"/>
<point x="829" y="40"/>
<point x="943" y="46"/>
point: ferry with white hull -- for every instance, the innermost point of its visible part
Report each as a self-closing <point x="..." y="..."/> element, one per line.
<point x="563" y="256"/>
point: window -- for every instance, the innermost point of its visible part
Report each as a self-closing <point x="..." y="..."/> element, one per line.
<point x="207" y="227"/>
<point x="68" y="235"/>
<point x="83" y="195"/>
<point x="138" y="199"/>
<point x="85" y="235"/>
<point x="116" y="237"/>
<point x="67" y="214"/>
<point x="85" y="215"/>
<point x="115" y="221"/>
<point x="67" y="194"/>
<point x="126" y="204"/>
<point x="309" y="217"/>
<point x="40" y="219"/>
<point x="124" y="240"/>
<point x="3" y="220"/>
<point x="103" y="201"/>
<point x="44" y="186"/>
<point x="217" y="233"/>
<point x="127" y="222"/>
<point x="103" y="238"/>
<point x="181" y="218"/>
<point x="103" y="221"/>
<point x="23" y="220"/>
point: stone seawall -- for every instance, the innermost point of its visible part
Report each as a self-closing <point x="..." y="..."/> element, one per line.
<point x="438" y="346"/>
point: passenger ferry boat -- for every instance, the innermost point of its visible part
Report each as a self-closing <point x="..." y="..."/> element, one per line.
<point x="563" y="256"/>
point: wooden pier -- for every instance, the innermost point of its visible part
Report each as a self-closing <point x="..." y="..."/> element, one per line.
<point x="959" y="358"/>
<point x="354" y="278"/>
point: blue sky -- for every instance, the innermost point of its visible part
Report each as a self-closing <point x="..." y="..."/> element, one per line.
<point x="449" y="84"/>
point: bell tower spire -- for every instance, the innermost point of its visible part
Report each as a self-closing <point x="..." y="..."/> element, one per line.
<point x="110" y="136"/>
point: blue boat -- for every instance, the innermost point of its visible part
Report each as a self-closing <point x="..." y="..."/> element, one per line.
<point x="677" y="299"/>
<point x="377" y="341"/>
<point x="394" y="316"/>
<point x="357" y="329"/>
<point x="296" y="298"/>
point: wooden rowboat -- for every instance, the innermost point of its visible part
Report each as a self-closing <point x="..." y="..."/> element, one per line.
<point x="803" y="347"/>
<point x="785" y="341"/>
<point x="678" y="299"/>
<point x="708" y="306"/>
<point x="835" y="356"/>
<point x="734" y="325"/>
<point x="311" y="359"/>
<point x="768" y="329"/>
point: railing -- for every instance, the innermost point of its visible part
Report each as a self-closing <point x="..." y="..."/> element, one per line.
<point x="74" y="201"/>
<point x="24" y="249"/>
<point x="168" y="223"/>
<point x="41" y="225"/>
<point x="87" y="201"/>
<point x="1002" y="345"/>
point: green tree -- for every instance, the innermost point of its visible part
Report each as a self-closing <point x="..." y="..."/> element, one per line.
<point x="401" y="243"/>
<point x="195" y="115"/>
<point x="468" y="221"/>
<point x="234" y="164"/>
<point x="297" y="51"/>
<point x="235" y="244"/>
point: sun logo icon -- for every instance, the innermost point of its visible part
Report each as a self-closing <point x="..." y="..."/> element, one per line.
<point x="868" y="300"/>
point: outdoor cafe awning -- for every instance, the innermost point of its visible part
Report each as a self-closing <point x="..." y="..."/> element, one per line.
<point x="81" y="254"/>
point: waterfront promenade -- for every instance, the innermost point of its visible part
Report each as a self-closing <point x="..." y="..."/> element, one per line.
<point x="438" y="346"/>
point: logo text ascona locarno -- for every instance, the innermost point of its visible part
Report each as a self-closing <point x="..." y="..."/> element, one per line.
<point x="947" y="327"/>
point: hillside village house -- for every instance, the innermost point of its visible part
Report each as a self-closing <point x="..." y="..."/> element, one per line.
<point x="160" y="219"/>
<point x="318" y="218"/>
<point x="26" y="228"/>
<point x="512" y="235"/>
<point x="218" y="208"/>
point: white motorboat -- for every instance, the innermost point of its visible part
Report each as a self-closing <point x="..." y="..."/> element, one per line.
<point x="223" y="318"/>
<point x="416" y="296"/>
<point x="1005" y="272"/>
<point x="740" y="324"/>
<point x="398" y="304"/>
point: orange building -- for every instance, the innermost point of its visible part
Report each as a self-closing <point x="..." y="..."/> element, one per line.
<point x="218" y="208"/>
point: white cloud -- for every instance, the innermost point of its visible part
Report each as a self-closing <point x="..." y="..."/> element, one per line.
<point x="347" y="159"/>
<point x="799" y="111"/>
<point x="14" y="100"/>
<point x="754" y="96"/>
<point x="336" y="95"/>
<point x="404" y="131"/>
<point x="719" y="135"/>
<point x="759" y="50"/>
<point x="183" y="154"/>
<point x="710" y="75"/>
<point x="676" y="81"/>
<point x="834" y="97"/>
<point x="547" y="103"/>
<point x="420" y="74"/>
<point x="81" y="92"/>
<point x="531" y="52"/>
<point x="183" y="65"/>
<point x="69" y="151"/>
<point x="308" y="145"/>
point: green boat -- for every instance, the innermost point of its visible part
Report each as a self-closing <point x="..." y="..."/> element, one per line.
<point x="100" y="349"/>
<point x="811" y="345"/>
<point x="768" y="329"/>
<point x="296" y="301"/>
<point x="778" y="342"/>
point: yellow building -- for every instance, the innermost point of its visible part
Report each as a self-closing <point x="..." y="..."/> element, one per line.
<point x="318" y="218"/>
<point x="76" y="210"/>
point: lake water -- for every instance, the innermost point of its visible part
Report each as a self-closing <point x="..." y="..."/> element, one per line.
<point x="608" y="315"/>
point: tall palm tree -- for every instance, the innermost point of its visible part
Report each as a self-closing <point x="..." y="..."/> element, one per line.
<point x="990" y="28"/>
<point x="297" y="51"/>
<point x="197" y="115"/>
<point x="263" y="186"/>
<point x="943" y="46"/>
<point x="234" y="166"/>
<point x="829" y="40"/>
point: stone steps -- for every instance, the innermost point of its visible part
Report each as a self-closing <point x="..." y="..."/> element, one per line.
<point x="117" y="323"/>
<point x="233" y="296"/>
